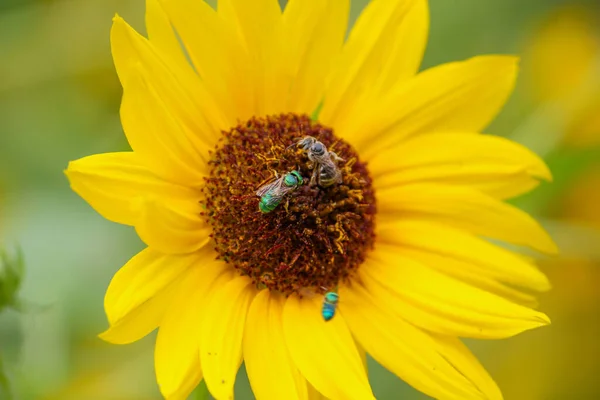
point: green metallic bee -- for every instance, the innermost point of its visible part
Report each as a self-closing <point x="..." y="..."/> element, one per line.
<point x="271" y="194"/>
<point x="330" y="301"/>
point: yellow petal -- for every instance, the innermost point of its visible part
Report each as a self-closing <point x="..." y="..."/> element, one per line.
<point x="157" y="137"/>
<point x="143" y="277"/>
<point x="177" y="353"/>
<point x="464" y="208"/>
<point x="313" y="33"/>
<point x="242" y="14"/>
<point x="438" y="303"/>
<point x="485" y="258"/>
<point x="171" y="79"/>
<point x="401" y="348"/>
<point x="167" y="216"/>
<point x="218" y="54"/>
<point x="259" y="26"/>
<point x="372" y="44"/>
<point x="467" y="364"/>
<point x="407" y="51"/>
<point x="492" y="164"/>
<point x="459" y="96"/>
<point x="270" y="368"/>
<point x="142" y="318"/>
<point x="171" y="227"/>
<point x="112" y="183"/>
<point x="164" y="123"/>
<point x="313" y="394"/>
<point x="324" y="352"/>
<point x="363" y="357"/>
<point x="162" y="36"/>
<point x="222" y="335"/>
<point x="466" y="272"/>
<point x="187" y="386"/>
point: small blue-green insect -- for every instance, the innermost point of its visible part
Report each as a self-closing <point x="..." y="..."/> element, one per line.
<point x="330" y="301"/>
<point x="271" y="194"/>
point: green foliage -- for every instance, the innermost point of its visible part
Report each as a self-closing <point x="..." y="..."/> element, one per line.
<point x="201" y="392"/>
<point x="4" y="388"/>
<point x="315" y="115"/>
<point x="11" y="275"/>
<point x="566" y="166"/>
<point x="12" y="270"/>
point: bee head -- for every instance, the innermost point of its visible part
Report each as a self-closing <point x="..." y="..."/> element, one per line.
<point x="293" y="179"/>
<point x="331" y="297"/>
<point x="306" y="142"/>
<point x="318" y="149"/>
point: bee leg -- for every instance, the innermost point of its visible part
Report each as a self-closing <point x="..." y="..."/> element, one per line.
<point x="286" y="206"/>
<point x="351" y="162"/>
<point x="313" y="178"/>
<point x="335" y="156"/>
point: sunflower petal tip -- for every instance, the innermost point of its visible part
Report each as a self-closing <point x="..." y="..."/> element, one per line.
<point x="545" y="286"/>
<point x="105" y="335"/>
<point x="544" y="172"/>
<point x="553" y="248"/>
<point x="543" y="319"/>
<point x="547" y="245"/>
<point x="110" y="336"/>
<point x="220" y="392"/>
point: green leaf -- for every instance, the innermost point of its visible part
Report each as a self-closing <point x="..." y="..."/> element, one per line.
<point x="566" y="166"/>
<point x="4" y="387"/>
<point x="201" y="392"/>
<point x="12" y="270"/>
<point x="315" y="115"/>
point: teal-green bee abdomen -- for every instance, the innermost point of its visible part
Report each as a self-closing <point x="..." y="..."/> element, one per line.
<point x="267" y="203"/>
<point x="328" y="311"/>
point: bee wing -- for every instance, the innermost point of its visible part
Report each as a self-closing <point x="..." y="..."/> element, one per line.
<point x="285" y="190"/>
<point x="328" y="163"/>
<point x="270" y="186"/>
<point x="275" y="197"/>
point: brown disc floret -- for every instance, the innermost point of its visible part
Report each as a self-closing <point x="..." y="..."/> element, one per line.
<point x="317" y="236"/>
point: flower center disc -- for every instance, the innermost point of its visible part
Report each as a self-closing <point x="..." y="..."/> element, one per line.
<point x="316" y="236"/>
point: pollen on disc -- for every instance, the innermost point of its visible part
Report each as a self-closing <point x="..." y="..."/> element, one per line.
<point x="315" y="236"/>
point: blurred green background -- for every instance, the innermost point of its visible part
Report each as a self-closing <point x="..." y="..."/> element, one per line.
<point x="59" y="99"/>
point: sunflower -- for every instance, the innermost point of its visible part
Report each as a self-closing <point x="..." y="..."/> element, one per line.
<point x="385" y="196"/>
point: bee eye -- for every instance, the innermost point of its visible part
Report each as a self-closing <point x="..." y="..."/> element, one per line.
<point x="318" y="148"/>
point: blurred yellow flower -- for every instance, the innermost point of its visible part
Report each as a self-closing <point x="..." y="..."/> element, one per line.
<point x="564" y="361"/>
<point x="564" y="65"/>
<point x="580" y="204"/>
<point x="226" y="283"/>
